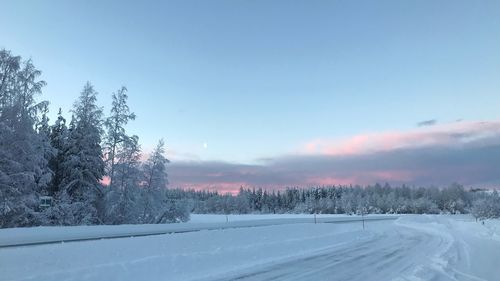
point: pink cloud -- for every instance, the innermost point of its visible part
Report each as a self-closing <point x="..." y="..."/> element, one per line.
<point x="465" y="152"/>
<point x="455" y="134"/>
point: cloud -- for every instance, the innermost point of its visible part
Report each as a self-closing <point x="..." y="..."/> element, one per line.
<point x="451" y="134"/>
<point x="430" y="122"/>
<point x="468" y="153"/>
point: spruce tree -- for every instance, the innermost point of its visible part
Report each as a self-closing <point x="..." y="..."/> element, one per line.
<point x="58" y="139"/>
<point x="83" y="166"/>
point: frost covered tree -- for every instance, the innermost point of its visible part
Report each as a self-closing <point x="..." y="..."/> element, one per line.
<point x="66" y="161"/>
<point x="42" y="125"/>
<point x="127" y="170"/>
<point x="154" y="169"/>
<point x="83" y="165"/>
<point x="123" y="197"/>
<point x="24" y="153"/>
<point x="58" y="139"/>
<point x="154" y="181"/>
<point x="486" y="206"/>
<point x="158" y="207"/>
<point x="115" y="130"/>
<point x="172" y="211"/>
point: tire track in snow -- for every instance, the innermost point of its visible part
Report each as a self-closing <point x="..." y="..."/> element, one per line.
<point x="394" y="255"/>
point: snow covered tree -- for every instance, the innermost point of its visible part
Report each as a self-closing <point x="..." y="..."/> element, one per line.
<point x="154" y="181"/>
<point x="42" y="125"/>
<point x="127" y="170"/>
<point x="24" y="153"/>
<point x="486" y="207"/>
<point x="172" y="211"/>
<point x="157" y="206"/>
<point x="9" y="67"/>
<point x="155" y="175"/>
<point x="58" y="139"/>
<point x="122" y="199"/>
<point x="83" y="165"/>
<point x="115" y="130"/>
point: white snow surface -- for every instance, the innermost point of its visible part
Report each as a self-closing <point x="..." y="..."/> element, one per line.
<point x="208" y="218"/>
<point x="414" y="247"/>
<point x="36" y="235"/>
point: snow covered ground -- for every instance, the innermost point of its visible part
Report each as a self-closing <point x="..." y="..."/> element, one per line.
<point x="197" y="218"/>
<point x="44" y="235"/>
<point x="409" y="248"/>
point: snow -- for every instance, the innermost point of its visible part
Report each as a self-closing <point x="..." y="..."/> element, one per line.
<point x="414" y="247"/>
<point x="492" y="229"/>
<point x="39" y="235"/>
<point x="209" y="218"/>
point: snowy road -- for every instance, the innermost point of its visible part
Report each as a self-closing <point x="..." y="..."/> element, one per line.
<point x="391" y="254"/>
<point x="414" y="248"/>
<point x="410" y="248"/>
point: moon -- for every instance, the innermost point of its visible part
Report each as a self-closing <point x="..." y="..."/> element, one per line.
<point x="205" y="145"/>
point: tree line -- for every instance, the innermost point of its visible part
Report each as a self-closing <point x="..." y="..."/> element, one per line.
<point x="371" y="199"/>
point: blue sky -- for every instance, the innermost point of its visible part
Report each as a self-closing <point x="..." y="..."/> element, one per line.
<point x="263" y="79"/>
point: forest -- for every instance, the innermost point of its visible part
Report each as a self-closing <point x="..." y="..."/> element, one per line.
<point x="88" y="169"/>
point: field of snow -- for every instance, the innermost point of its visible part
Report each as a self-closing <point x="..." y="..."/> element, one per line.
<point x="197" y="218"/>
<point x="409" y="248"/>
<point x="493" y="228"/>
<point x="44" y="235"/>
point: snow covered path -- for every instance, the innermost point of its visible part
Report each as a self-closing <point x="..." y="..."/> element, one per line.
<point x="411" y="248"/>
<point x="377" y="257"/>
<point x="419" y="248"/>
<point x="387" y="254"/>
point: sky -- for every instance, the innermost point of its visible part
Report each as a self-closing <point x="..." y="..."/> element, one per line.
<point x="284" y="93"/>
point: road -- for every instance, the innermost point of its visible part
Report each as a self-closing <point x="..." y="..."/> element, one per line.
<point x="435" y="250"/>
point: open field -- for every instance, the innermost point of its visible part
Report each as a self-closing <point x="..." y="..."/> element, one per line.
<point x="46" y="235"/>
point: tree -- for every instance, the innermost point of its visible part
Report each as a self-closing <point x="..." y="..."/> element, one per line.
<point x="24" y="153"/>
<point x="486" y="207"/>
<point x="67" y="163"/>
<point x="123" y="197"/>
<point x="157" y="207"/>
<point x="83" y="166"/>
<point x="155" y="175"/>
<point x="127" y="170"/>
<point x="115" y="125"/>
<point x="58" y="139"/>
